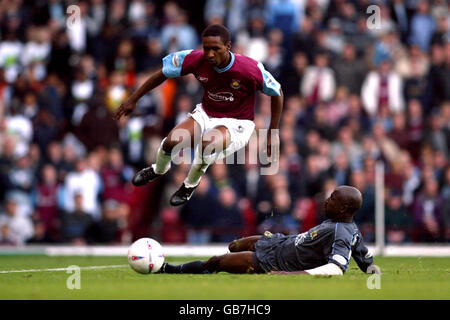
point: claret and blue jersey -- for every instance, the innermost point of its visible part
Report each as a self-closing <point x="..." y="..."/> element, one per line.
<point x="228" y="92"/>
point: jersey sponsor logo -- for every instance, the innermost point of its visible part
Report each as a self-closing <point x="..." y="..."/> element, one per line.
<point x="235" y="84"/>
<point x="221" y="96"/>
<point x="202" y="79"/>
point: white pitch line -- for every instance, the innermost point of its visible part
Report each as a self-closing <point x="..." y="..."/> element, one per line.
<point x="65" y="269"/>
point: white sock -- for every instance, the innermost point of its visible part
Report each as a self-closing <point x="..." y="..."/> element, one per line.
<point x="163" y="160"/>
<point x="198" y="168"/>
<point x="195" y="175"/>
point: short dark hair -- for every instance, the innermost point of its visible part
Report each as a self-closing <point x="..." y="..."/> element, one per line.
<point x="217" y="30"/>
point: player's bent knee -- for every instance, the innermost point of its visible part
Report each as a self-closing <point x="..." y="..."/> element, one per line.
<point x="234" y="246"/>
<point x="168" y="145"/>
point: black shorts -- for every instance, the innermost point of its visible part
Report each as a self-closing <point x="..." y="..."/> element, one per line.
<point x="265" y="256"/>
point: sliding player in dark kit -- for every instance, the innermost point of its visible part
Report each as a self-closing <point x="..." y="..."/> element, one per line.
<point x="223" y="121"/>
<point x="323" y="250"/>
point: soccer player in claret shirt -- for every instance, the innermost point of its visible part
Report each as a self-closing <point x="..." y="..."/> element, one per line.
<point x="223" y="121"/>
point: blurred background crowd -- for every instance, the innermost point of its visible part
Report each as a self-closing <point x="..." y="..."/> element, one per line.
<point x="358" y="90"/>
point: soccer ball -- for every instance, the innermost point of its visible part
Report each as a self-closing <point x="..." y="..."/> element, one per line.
<point x="146" y="256"/>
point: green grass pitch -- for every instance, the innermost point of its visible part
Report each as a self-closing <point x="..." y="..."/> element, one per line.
<point x="402" y="278"/>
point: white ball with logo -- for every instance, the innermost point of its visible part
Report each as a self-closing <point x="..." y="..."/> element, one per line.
<point x="146" y="255"/>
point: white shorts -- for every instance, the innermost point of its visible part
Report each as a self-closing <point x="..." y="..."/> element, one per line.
<point x="240" y="130"/>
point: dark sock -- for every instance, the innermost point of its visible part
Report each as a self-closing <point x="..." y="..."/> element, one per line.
<point x="190" y="267"/>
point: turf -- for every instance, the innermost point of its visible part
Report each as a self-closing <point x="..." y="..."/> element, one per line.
<point x="402" y="278"/>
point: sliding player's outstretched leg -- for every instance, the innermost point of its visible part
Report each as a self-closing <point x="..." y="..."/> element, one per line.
<point x="238" y="262"/>
<point x="182" y="136"/>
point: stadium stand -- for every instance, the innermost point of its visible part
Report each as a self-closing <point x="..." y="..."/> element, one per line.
<point x="354" y="95"/>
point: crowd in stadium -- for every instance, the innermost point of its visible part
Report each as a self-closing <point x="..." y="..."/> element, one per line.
<point x="357" y="89"/>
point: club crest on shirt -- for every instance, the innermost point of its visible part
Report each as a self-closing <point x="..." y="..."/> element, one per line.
<point x="235" y="84"/>
<point x="313" y="234"/>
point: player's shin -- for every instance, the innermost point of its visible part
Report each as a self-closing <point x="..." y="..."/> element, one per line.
<point x="198" y="168"/>
<point x="194" y="267"/>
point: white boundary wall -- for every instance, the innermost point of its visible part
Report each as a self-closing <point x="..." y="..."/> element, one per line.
<point x="182" y="250"/>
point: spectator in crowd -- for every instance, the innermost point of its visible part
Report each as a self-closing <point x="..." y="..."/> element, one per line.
<point x="347" y="144"/>
<point x="318" y="83"/>
<point x="422" y="25"/>
<point x="350" y="70"/>
<point x="366" y="214"/>
<point x="446" y="201"/>
<point x="10" y="50"/>
<point x="442" y="32"/>
<point x="354" y="95"/>
<point x="435" y="134"/>
<point x="340" y="171"/>
<point x="427" y="211"/>
<point x="397" y="219"/>
<point x="281" y="218"/>
<point x="76" y="223"/>
<point x="227" y="216"/>
<point x="382" y="90"/>
<point x="285" y="15"/>
<point x="233" y="14"/>
<point x="86" y="182"/>
<point x="46" y="196"/>
<point x="292" y="75"/>
<point x="399" y="133"/>
<point x="115" y="177"/>
<point x="177" y="34"/>
<point x="413" y="67"/>
<point x="253" y="38"/>
<point x="112" y="226"/>
<point x="15" y="228"/>
<point x="40" y="235"/>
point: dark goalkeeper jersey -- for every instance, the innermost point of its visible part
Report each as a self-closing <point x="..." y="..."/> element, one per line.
<point x="329" y="242"/>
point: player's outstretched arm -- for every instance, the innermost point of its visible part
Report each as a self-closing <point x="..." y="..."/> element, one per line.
<point x="329" y="269"/>
<point x="276" y="109"/>
<point x="129" y="104"/>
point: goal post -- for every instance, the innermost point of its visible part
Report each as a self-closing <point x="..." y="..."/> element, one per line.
<point x="379" y="208"/>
